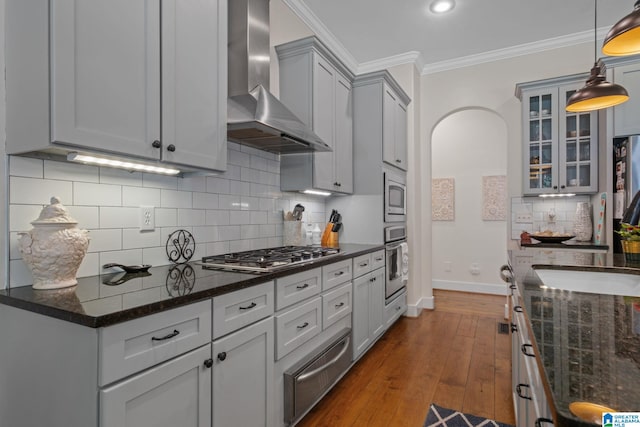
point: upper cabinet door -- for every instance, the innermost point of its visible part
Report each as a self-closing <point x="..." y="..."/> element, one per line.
<point x="194" y="83"/>
<point x="401" y="137"/>
<point x="324" y="77"/>
<point x="389" y="103"/>
<point x="105" y="60"/>
<point x="344" y="135"/>
<point x="625" y="116"/>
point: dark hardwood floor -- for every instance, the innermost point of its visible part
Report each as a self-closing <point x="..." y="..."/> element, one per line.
<point x="452" y="356"/>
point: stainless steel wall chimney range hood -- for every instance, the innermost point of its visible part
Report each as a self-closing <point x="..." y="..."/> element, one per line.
<point x="254" y="116"/>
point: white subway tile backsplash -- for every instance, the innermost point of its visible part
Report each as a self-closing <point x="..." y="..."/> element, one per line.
<point x="105" y="240"/>
<point x="160" y="181"/>
<point x="239" y="187"/>
<point x="96" y="194"/>
<point x="166" y="217"/>
<point x="117" y="217"/>
<point x="134" y="238"/>
<point x="217" y="185"/>
<point x="140" y="196"/>
<point x="229" y="202"/>
<point x="242" y="217"/>
<point x="218" y="217"/>
<point x="26" y="167"/>
<point x="71" y="172"/>
<point x="30" y="191"/>
<point x="120" y="177"/>
<point x="238" y="210"/>
<point x="205" y="201"/>
<point x="191" y="217"/>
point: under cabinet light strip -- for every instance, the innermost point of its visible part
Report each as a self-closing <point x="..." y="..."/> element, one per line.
<point x="557" y="195"/>
<point x="317" y="193"/>
<point x="120" y="164"/>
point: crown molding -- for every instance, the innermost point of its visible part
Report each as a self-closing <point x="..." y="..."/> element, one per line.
<point x="412" y="57"/>
<point x="322" y="32"/>
<point x="514" y="51"/>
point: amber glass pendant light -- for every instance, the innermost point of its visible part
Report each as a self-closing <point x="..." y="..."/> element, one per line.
<point x="624" y="37"/>
<point x="597" y="93"/>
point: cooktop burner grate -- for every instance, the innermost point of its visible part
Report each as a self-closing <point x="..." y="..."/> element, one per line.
<point x="267" y="259"/>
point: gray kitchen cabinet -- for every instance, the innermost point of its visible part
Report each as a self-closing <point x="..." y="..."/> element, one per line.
<point x="175" y="393"/>
<point x="560" y="149"/>
<point x="316" y="87"/>
<point x="394" y="129"/>
<point x="380" y="117"/>
<point x="625" y="116"/>
<point x="151" y="86"/>
<point x="368" y="310"/>
<point x="243" y="382"/>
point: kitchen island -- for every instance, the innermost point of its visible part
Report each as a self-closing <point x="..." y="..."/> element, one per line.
<point x="586" y="344"/>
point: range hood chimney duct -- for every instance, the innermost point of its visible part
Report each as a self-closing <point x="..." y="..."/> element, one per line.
<point x="255" y="117"/>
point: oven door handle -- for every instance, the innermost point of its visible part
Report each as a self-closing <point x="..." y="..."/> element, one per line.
<point x="316" y="371"/>
<point x="393" y="248"/>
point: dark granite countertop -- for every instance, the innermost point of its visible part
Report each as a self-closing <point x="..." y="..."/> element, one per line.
<point x="569" y="244"/>
<point x="113" y="298"/>
<point x="588" y="343"/>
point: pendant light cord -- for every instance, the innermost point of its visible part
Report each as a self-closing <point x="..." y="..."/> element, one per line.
<point x="595" y="31"/>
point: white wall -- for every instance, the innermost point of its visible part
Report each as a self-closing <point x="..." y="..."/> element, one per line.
<point x="489" y="86"/>
<point x="3" y="163"/>
<point x="466" y="146"/>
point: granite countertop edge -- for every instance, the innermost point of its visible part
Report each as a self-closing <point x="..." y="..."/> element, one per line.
<point x="98" y="321"/>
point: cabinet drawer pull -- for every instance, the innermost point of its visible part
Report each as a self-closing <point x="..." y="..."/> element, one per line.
<point x="222" y="356"/>
<point x="524" y="350"/>
<point x="379" y="259"/>
<point x="364" y="264"/>
<point x="304" y="325"/>
<point x="339" y="273"/>
<point x="249" y="307"/>
<point x="305" y="286"/>
<point x="517" y="309"/>
<point x="398" y="161"/>
<point x="519" y="391"/>
<point x="512" y="286"/>
<point x="339" y="305"/>
<point x="539" y="421"/>
<point x="514" y="328"/>
<point x="166" y="337"/>
<point x="208" y="363"/>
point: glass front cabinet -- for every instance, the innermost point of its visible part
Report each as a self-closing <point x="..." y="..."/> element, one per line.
<point x="560" y="149"/>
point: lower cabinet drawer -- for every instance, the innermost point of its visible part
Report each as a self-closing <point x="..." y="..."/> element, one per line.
<point x="336" y="304"/>
<point x="297" y="287"/>
<point x="361" y="265"/>
<point x="377" y="259"/>
<point x="395" y="309"/>
<point x="237" y="309"/>
<point x="129" y="347"/>
<point x="297" y="326"/>
<point x="336" y="274"/>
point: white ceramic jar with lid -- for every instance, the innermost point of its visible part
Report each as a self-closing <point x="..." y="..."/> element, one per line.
<point x="54" y="248"/>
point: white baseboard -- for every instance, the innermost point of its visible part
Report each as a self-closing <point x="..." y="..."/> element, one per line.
<point x="480" y="288"/>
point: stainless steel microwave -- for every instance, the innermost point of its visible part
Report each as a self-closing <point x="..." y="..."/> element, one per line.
<point x="395" y="198"/>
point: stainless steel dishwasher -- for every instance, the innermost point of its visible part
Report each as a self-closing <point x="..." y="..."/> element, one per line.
<point x="306" y="382"/>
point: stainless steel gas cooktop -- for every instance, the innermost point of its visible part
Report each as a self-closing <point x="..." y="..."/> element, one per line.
<point x="266" y="260"/>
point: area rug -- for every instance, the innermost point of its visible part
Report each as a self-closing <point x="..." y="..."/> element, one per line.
<point x="443" y="417"/>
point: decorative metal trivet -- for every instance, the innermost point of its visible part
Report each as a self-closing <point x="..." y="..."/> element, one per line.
<point x="180" y="280"/>
<point x="180" y="246"/>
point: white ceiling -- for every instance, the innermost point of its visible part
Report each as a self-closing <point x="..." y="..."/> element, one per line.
<point x="375" y="31"/>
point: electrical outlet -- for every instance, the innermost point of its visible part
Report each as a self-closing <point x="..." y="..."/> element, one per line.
<point x="447" y="265"/>
<point x="147" y="218"/>
<point x="475" y="268"/>
<point x="523" y="217"/>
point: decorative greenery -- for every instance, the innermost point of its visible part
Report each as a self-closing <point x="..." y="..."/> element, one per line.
<point x="629" y="232"/>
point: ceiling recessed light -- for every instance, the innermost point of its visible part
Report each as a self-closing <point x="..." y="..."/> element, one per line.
<point x="442" y="6"/>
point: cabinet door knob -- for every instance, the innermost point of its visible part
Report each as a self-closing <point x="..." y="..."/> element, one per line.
<point x="208" y="363"/>
<point x="398" y="161"/>
<point x="156" y="144"/>
<point x="171" y="148"/>
<point x="222" y="356"/>
<point x="562" y="186"/>
<point x="555" y="187"/>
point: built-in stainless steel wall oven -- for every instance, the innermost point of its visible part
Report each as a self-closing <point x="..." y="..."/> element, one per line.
<point x="397" y="263"/>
